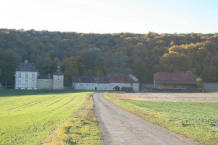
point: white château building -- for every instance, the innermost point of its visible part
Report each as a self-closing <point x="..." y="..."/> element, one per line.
<point x="27" y="77"/>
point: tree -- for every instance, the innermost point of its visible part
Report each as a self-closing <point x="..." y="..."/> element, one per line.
<point x="101" y="54"/>
<point x="8" y="64"/>
<point x="176" y="63"/>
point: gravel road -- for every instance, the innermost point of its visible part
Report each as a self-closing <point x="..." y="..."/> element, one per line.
<point x="123" y="128"/>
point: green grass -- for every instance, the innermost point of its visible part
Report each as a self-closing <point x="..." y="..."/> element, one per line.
<point x="198" y="121"/>
<point x="28" y="119"/>
<point x="82" y="128"/>
<point x="13" y="92"/>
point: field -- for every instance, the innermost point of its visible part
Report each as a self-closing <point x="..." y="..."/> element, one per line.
<point x="82" y="128"/>
<point x="197" y="120"/>
<point x="172" y="97"/>
<point x="29" y="119"/>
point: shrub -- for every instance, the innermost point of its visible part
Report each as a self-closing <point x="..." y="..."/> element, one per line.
<point x="200" y="82"/>
<point x="127" y="89"/>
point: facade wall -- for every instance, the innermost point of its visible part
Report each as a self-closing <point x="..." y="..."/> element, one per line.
<point x="136" y="87"/>
<point x="44" y="83"/>
<point x="25" y="80"/>
<point x="103" y="86"/>
<point x="167" y="86"/>
<point x="28" y="80"/>
<point x="58" y="82"/>
<point x="147" y="87"/>
<point x="211" y="86"/>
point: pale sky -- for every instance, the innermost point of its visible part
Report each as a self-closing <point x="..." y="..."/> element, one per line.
<point x="111" y="16"/>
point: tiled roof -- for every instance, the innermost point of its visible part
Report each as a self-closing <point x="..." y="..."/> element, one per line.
<point x="114" y="78"/>
<point x="175" y="78"/>
<point x="29" y="67"/>
<point x="120" y="78"/>
<point x="87" y="79"/>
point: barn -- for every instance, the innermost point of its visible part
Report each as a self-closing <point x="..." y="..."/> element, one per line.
<point x="171" y="80"/>
<point x="110" y="82"/>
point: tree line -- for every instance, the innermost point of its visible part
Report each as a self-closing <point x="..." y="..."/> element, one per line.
<point x="82" y="54"/>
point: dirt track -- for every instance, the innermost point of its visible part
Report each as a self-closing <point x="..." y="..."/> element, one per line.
<point x="122" y="128"/>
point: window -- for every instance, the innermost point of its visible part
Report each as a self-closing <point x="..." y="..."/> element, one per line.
<point x="26" y="75"/>
<point x="33" y="76"/>
<point x="33" y="83"/>
<point x="19" y="74"/>
<point x="19" y="83"/>
<point x="26" y="83"/>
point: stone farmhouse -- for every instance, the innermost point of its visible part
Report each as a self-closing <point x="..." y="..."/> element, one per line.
<point x="107" y="83"/>
<point x="27" y="77"/>
<point x="172" y="80"/>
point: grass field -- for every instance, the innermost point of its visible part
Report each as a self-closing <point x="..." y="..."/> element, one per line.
<point x="12" y="92"/>
<point x="28" y="119"/>
<point x="195" y="120"/>
<point x="82" y="128"/>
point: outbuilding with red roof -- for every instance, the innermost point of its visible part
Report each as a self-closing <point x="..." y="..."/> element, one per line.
<point x="170" y="80"/>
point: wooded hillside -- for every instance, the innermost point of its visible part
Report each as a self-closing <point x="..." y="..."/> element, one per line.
<point x="100" y="54"/>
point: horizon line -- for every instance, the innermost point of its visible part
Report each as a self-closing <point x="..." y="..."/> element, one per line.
<point x="53" y="31"/>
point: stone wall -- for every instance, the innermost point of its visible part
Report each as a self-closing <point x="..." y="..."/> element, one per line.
<point x="211" y="86"/>
<point x="104" y="86"/>
<point x="44" y="83"/>
<point x="146" y="87"/>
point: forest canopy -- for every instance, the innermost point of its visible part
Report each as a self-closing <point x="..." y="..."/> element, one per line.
<point x="90" y="54"/>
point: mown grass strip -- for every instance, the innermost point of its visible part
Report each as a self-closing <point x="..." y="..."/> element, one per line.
<point x="81" y="128"/>
<point x="28" y="119"/>
<point x="198" y="121"/>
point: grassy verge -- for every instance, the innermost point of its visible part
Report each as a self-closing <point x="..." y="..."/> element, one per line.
<point x="82" y="128"/>
<point x="28" y="119"/>
<point x="195" y="120"/>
